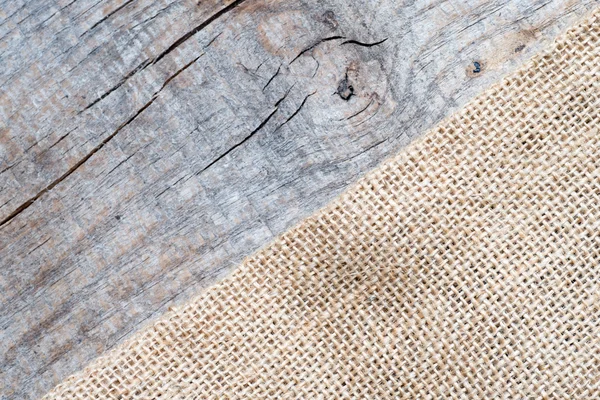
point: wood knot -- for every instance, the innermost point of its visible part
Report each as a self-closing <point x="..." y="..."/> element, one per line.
<point x="475" y="69"/>
<point x="345" y="89"/>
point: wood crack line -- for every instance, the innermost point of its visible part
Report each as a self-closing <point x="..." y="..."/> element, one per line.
<point x="356" y="42"/>
<point x="312" y="46"/>
<point x="140" y="67"/>
<point x="177" y="43"/>
<point x="297" y="110"/>
<point x="79" y="163"/>
<point x="107" y="16"/>
<point x="245" y="139"/>
<point x="273" y="77"/>
<point x="197" y="29"/>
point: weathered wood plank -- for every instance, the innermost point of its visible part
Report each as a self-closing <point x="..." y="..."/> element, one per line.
<point x="147" y="146"/>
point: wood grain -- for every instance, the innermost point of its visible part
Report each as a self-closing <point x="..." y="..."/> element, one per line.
<point x="146" y="147"/>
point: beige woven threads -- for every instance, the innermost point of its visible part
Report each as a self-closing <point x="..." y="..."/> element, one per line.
<point x="468" y="267"/>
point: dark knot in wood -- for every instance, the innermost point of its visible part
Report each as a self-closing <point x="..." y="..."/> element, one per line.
<point x="345" y="90"/>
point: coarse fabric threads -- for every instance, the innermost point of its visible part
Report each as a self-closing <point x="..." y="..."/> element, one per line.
<point x="468" y="267"/>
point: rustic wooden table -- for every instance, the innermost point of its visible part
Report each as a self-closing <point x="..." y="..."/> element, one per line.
<point x="147" y="146"/>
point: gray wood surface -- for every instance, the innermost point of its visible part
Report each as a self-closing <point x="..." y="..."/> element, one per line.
<point x="147" y="146"/>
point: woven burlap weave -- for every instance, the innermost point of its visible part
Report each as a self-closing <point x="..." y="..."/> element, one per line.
<point x="467" y="267"/>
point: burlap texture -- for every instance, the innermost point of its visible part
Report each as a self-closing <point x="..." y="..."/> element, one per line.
<point x="467" y="267"/>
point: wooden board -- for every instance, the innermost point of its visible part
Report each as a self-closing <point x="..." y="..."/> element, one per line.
<point x="146" y="147"/>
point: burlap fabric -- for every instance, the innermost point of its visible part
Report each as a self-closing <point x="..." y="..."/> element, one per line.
<point x="467" y="267"/>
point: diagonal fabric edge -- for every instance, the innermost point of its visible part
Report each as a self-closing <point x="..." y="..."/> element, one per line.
<point x="465" y="267"/>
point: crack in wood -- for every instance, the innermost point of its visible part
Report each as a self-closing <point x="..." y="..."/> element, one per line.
<point x="197" y="29"/>
<point x="30" y="147"/>
<point x="159" y="12"/>
<point x="79" y="163"/>
<point x="60" y="139"/>
<point x="10" y="166"/>
<point x="369" y="117"/>
<point x="362" y="151"/>
<point x="297" y="110"/>
<point x="107" y="16"/>
<point x="356" y="42"/>
<point x="359" y="112"/>
<point x="318" y="66"/>
<point x="121" y="163"/>
<point x="245" y="139"/>
<point x="213" y="39"/>
<point x="38" y="246"/>
<point x="177" y="43"/>
<point x="312" y="46"/>
<point x="134" y="71"/>
<point x="169" y="79"/>
<point x="273" y="77"/>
